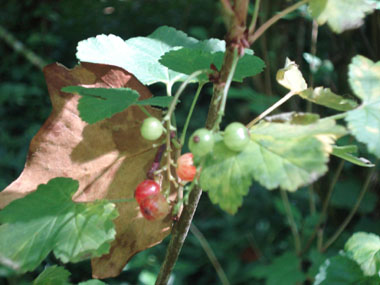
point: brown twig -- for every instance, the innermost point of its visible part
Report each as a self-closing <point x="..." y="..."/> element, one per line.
<point x="236" y="31"/>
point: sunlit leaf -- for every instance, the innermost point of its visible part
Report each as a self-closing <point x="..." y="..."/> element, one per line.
<point x="364" y="248"/>
<point x="291" y="77"/>
<point x="364" y="122"/>
<point x="325" y="97"/>
<point x="341" y="15"/>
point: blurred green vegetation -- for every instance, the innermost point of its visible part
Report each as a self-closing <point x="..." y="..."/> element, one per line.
<point x="259" y="232"/>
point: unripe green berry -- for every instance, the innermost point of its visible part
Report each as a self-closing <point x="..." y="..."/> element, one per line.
<point x="201" y="142"/>
<point x="151" y="129"/>
<point x="236" y="136"/>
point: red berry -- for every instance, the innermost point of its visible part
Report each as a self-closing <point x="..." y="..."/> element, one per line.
<point x="154" y="207"/>
<point x="145" y="189"/>
<point x="185" y="167"/>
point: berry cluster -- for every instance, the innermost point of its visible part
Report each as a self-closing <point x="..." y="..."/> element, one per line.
<point x="153" y="205"/>
<point x="236" y="137"/>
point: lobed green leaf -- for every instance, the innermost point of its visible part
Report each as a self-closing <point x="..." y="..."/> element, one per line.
<point x="189" y="60"/>
<point x="364" y="122"/>
<point x="342" y="270"/>
<point x="98" y="104"/>
<point x="226" y="176"/>
<point x="48" y="220"/>
<point x="364" y="248"/>
<point x="56" y="275"/>
<point x="341" y="15"/>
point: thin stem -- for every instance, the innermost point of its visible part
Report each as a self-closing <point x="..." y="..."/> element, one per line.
<point x="292" y="222"/>
<point x="324" y="209"/>
<point x="183" y="135"/>
<point x="225" y="90"/>
<point x="210" y="254"/>
<point x="311" y="200"/>
<point x="252" y="26"/>
<point x="126" y="200"/>
<point x="274" y="19"/>
<point x="336" y="117"/>
<point x="180" y="90"/>
<point x="271" y="108"/>
<point x="144" y="110"/>
<point x="21" y="48"/>
<point x="348" y="219"/>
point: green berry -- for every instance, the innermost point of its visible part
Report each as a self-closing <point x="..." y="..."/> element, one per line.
<point x="201" y="142"/>
<point x="151" y="129"/>
<point x="236" y="136"/>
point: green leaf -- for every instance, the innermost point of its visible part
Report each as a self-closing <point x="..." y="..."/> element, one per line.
<point x="226" y="176"/>
<point x="189" y="60"/>
<point x="364" y="248"/>
<point x="294" y="118"/>
<point x="291" y="77"/>
<point x="346" y="194"/>
<point x="53" y="275"/>
<point x="345" y="152"/>
<point x="325" y="97"/>
<point x="339" y="270"/>
<point x="284" y="269"/>
<point x="340" y="15"/>
<point x="290" y="156"/>
<point x="364" y="122"/>
<point x="140" y="55"/>
<point x="92" y="282"/>
<point x="158" y="101"/>
<point x="98" y="104"/>
<point x="48" y="220"/>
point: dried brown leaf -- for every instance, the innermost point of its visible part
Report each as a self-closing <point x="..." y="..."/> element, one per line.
<point x="108" y="158"/>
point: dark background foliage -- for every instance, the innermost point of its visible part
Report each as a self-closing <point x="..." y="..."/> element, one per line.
<point x="259" y="231"/>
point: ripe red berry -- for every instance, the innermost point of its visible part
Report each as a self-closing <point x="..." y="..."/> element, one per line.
<point x="154" y="207"/>
<point x="185" y="167"/>
<point x="145" y="189"/>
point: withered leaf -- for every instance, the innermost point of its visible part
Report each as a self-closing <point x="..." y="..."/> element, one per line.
<point x="108" y="158"/>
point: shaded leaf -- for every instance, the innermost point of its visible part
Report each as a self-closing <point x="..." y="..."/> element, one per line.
<point x="92" y="282"/>
<point x="346" y="194"/>
<point x="325" y="97"/>
<point x="364" y="122"/>
<point x="285" y="269"/>
<point x="53" y="275"/>
<point x="364" y="248"/>
<point x="291" y="77"/>
<point x="159" y="101"/>
<point x="108" y="158"/>
<point x="345" y="152"/>
<point x="98" y="104"/>
<point x="48" y="220"/>
<point x="189" y="60"/>
<point x="340" y="15"/>
<point x="339" y="270"/>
